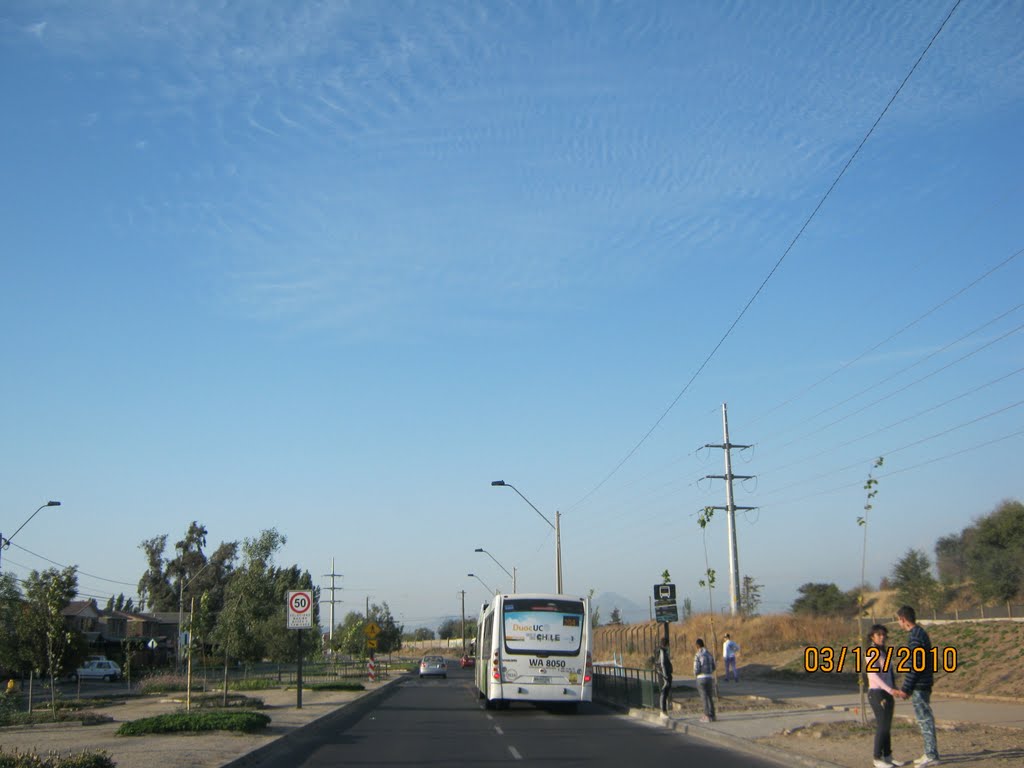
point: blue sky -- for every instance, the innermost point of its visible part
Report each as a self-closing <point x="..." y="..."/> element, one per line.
<point x="335" y="267"/>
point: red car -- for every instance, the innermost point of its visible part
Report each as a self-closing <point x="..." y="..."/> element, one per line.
<point x="467" y="661"/>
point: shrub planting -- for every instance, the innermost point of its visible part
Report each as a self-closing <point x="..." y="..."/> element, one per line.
<point x="196" y="722"/>
<point x="55" y="760"/>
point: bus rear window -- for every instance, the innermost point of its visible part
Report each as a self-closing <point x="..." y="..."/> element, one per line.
<point x="543" y="626"/>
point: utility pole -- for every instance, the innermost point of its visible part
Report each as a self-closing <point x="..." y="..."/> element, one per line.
<point x="332" y="576"/>
<point x="462" y="592"/>
<point x="730" y="510"/>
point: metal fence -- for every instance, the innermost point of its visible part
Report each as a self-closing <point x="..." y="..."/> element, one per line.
<point x="626" y="686"/>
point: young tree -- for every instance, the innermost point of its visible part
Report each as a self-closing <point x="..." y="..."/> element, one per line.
<point x="47" y="594"/>
<point x="687" y="608"/>
<point x="616" y="617"/>
<point x="750" y="597"/>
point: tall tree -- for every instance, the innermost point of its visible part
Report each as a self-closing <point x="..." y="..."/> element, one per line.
<point x="951" y="557"/>
<point x="824" y="600"/>
<point x="913" y="580"/>
<point x="155" y="590"/>
<point x="12" y="607"/>
<point x="995" y="553"/>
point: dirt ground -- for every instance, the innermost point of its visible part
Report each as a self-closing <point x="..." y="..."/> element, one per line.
<point x="850" y="744"/>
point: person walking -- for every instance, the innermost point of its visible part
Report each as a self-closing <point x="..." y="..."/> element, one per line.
<point x="729" y="650"/>
<point x="917" y="686"/>
<point x="881" y="690"/>
<point x="663" y="665"/>
<point x="704" y="670"/>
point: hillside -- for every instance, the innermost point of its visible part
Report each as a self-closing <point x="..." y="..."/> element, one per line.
<point x="989" y="654"/>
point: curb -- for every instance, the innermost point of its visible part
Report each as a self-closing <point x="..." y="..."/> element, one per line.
<point x="311" y="732"/>
<point x="738" y="743"/>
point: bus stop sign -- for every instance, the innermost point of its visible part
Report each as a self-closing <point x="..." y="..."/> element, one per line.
<point x="665" y="609"/>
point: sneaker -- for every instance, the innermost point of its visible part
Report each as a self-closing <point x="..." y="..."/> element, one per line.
<point x="705" y="719"/>
<point x="883" y="763"/>
<point x="664" y="713"/>
<point x="890" y="761"/>
<point x="924" y="760"/>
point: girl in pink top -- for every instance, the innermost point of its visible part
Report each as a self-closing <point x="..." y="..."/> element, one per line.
<point x="881" y="689"/>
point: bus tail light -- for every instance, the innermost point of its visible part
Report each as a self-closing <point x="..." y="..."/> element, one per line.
<point x="588" y="673"/>
<point x="495" y="668"/>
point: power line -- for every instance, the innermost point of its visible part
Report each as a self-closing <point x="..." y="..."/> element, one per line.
<point x="778" y="263"/>
<point x="892" y="336"/>
<point x="904" y="420"/>
<point x="62" y="565"/>
<point x="860" y="483"/>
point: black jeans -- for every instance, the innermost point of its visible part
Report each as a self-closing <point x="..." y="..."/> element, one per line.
<point x="666" y="688"/>
<point x="882" y="705"/>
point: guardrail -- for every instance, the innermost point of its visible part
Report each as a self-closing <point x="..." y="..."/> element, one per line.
<point x="626" y="686"/>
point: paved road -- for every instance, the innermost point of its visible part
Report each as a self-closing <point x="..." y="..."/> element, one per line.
<point x="442" y="723"/>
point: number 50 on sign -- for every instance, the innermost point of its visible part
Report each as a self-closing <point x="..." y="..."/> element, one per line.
<point x="300" y="609"/>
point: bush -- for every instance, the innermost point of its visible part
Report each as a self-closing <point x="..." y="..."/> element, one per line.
<point x="55" y="760"/>
<point x="217" y="701"/>
<point x="196" y="722"/>
<point x="163" y="684"/>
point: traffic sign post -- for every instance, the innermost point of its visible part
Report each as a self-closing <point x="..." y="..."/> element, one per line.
<point x="300" y="617"/>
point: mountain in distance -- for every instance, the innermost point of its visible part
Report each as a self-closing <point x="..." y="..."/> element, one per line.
<point x="630" y="610"/>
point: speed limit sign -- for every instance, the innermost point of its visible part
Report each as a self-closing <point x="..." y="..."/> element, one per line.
<point x="300" y="609"/>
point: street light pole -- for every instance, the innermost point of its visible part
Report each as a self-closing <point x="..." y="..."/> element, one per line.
<point x="489" y="590"/>
<point x="511" y="575"/>
<point x="556" y="526"/>
<point x="4" y="543"/>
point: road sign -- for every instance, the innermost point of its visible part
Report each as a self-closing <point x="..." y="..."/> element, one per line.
<point x="665" y="609"/>
<point x="152" y="644"/>
<point x="300" y="609"/>
<point x="372" y="629"/>
<point x="371" y="643"/>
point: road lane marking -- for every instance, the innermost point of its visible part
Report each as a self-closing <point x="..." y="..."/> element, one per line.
<point x="515" y="752"/>
<point x="498" y="729"/>
<point x="490" y="717"/>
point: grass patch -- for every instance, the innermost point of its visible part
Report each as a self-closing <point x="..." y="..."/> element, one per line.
<point x="196" y="722"/>
<point x="55" y="760"/>
<point x="337" y="687"/>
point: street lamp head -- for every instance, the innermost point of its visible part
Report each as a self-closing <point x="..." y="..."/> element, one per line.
<point x="479" y="549"/>
<point x="471" y="574"/>
<point x="497" y="482"/>
<point x="53" y="503"/>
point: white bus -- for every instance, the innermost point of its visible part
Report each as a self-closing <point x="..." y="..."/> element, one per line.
<point x="536" y="648"/>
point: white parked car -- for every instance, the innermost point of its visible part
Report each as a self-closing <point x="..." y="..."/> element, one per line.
<point x="98" y="670"/>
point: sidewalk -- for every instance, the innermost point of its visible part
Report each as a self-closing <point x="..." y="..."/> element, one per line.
<point x="801" y="704"/>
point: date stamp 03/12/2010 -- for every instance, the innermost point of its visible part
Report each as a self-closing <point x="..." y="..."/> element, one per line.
<point x="900" y="660"/>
